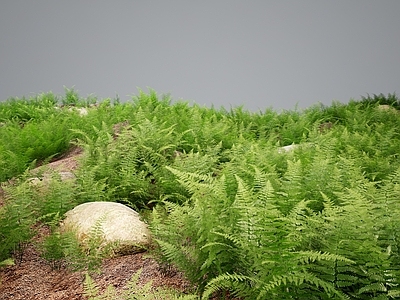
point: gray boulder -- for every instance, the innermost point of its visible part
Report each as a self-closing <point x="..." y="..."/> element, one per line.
<point x="119" y="226"/>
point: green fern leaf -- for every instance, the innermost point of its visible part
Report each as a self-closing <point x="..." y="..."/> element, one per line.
<point x="226" y="282"/>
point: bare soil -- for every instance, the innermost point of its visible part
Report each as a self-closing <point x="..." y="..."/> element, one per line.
<point x="32" y="277"/>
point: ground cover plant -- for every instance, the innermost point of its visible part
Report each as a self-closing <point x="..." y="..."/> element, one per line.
<point x="237" y="213"/>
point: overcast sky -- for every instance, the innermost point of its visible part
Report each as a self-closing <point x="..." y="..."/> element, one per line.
<point x="259" y="54"/>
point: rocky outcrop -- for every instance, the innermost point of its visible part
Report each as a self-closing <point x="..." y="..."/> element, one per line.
<point x="119" y="225"/>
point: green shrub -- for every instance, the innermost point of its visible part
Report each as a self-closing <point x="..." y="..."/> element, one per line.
<point x="237" y="214"/>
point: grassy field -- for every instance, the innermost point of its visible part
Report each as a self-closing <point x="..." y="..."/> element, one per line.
<point x="226" y="203"/>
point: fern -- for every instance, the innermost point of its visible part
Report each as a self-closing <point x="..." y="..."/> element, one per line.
<point x="306" y="257"/>
<point x="7" y="262"/>
<point x="134" y="291"/>
<point x="249" y="235"/>
<point x="234" y="282"/>
<point x="250" y="226"/>
<point x="298" y="279"/>
<point x="191" y="181"/>
<point x="91" y="290"/>
<point x="17" y="220"/>
<point x="319" y="222"/>
<point x="64" y="247"/>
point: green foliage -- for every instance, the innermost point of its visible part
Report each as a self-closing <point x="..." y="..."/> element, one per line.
<point x="7" y="262"/>
<point x="259" y="234"/>
<point x="238" y="214"/>
<point x="24" y="110"/>
<point x="63" y="247"/>
<point x="71" y="97"/>
<point x="381" y="99"/>
<point x="60" y="247"/>
<point x="29" y="202"/>
<point x="17" y="219"/>
<point x="135" y="291"/>
<point x="242" y="244"/>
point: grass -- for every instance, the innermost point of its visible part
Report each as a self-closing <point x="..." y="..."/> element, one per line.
<point x="238" y="216"/>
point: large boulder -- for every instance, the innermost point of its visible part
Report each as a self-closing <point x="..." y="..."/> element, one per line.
<point x="119" y="225"/>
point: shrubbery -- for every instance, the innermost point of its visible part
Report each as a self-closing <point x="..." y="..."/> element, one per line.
<point x="236" y="214"/>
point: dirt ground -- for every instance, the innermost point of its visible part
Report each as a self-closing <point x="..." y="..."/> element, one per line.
<point x="32" y="277"/>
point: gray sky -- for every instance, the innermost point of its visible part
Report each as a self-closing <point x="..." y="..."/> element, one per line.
<point x="259" y="54"/>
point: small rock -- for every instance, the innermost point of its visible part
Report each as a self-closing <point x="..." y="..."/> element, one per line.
<point x="81" y="110"/>
<point x="324" y="127"/>
<point x="65" y="175"/>
<point x="290" y="148"/>
<point x="46" y="178"/>
<point x="287" y="148"/>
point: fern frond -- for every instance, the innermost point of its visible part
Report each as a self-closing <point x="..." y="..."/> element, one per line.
<point x="237" y="241"/>
<point x="174" y="254"/>
<point x="232" y="282"/>
<point x="7" y="262"/>
<point x="191" y="181"/>
<point x="134" y="291"/>
<point x="297" y="279"/>
<point x="374" y="287"/>
<point x="260" y="179"/>
<point x="216" y="244"/>
<point x="243" y="196"/>
<point x="91" y="290"/>
<point x="394" y="293"/>
<point x="305" y="257"/>
<point x="266" y="193"/>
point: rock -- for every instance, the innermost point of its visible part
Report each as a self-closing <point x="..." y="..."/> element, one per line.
<point x="385" y="107"/>
<point x="290" y="148"/>
<point x="324" y="127"/>
<point x="65" y="175"/>
<point x="120" y="226"/>
<point x="46" y="178"/>
<point x="287" y="148"/>
<point x="82" y="111"/>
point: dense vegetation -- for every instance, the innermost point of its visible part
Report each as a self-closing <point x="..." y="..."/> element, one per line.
<point x="239" y="215"/>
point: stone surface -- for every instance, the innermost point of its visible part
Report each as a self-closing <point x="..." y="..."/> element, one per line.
<point x="290" y="148"/>
<point x="388" y="108"/>
<point x="120" y="225"/>
<point x="82" y="111"/>
<point x="287" y="148"/>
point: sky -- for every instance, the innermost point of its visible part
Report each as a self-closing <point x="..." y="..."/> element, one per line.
<point x="284" y="54"/>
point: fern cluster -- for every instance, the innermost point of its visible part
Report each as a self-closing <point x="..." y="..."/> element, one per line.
<point x="29" y="203"/>
<point x="240" y="216"/>
<point x="254" y="246"/>
<point x="134" y="291"/>
<point x="315" y="225"/>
